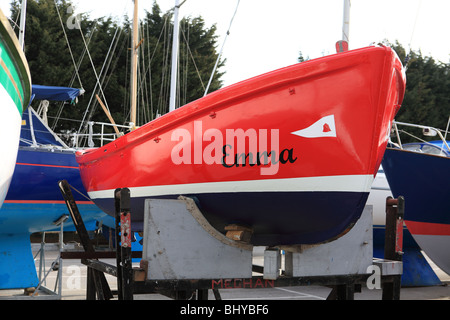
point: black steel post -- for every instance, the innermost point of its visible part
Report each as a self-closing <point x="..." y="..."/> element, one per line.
<point x="96" y="280"/>
<point x="124" y="258"/>
<point x="202" y="294"/>
<point x="118" y="251"/>
<point x="393" y="246"/>
<point x="76" y="216"/>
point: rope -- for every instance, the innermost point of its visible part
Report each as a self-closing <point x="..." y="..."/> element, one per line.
<point x="17" y="19"/>
<point x="99" y="84"/>
<point x="221" y="51"/>
<point x="408" y="56"/>
<point x="68" y="44"/>
<point x="80" y="60"/>
<point x="95" y="71"/>
<point x="82" y="194"/>
<point x="193" y="60"/>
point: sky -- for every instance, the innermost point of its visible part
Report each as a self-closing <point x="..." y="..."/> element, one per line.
<point x="267" y="34"/>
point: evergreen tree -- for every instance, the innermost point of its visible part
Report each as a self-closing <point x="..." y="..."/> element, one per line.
<point x="427" y="96"/>
<point x="51" y="63"/>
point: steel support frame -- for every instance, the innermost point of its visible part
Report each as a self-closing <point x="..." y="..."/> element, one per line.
<point x="97" y="285"/>
<point x="344" y="287"/>
<point x="393" y="244"/>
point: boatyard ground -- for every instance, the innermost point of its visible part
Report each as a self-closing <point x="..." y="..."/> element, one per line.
<point x="75" y="273"/>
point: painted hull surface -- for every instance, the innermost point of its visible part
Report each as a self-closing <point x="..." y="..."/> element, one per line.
<point x="291" y="154"/>
<point x="15" y="91"/>
<point x="417" y="272"/>
<point x="423" y="180"/>
<point x="33" y="203"/>
<point x="34" y="200"/>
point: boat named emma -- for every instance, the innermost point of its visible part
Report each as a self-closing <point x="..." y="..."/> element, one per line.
<point x="292" y="154"/>
<point x="15" y="92"/>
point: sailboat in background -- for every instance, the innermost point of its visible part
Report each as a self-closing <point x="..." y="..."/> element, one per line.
<point x="417" y="272"/>
<point x="15" y="93"/>
<point x="34" y="202"/>
<point x="420" y="172"/>
<point x="290" y="154"/>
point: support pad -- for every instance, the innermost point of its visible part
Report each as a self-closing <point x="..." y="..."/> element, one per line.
<point x="179" y="243"/>
<point x="389" y="267"/>
<point x="272" y="263"/>
<point x="349" y="255"/>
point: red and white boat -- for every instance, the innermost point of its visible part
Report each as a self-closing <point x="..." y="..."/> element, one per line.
<point x="291" y="154"/>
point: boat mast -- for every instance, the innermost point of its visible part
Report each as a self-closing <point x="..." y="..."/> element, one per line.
<point x="23" y="17"/>
<point x="346" y="24"/>
<point x="134" y="63"/>
<point x="175" y="45"/>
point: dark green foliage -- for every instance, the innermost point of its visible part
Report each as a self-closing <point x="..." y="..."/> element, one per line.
<point x="51" y="64"/>
<point x="427" y="97"/>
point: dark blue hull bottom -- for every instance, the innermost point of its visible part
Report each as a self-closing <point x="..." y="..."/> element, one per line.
<point x="277" y="218"/>
<point x="423" y="180"/>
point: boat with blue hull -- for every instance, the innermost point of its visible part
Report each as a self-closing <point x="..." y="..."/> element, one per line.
<point x="417" y="272"/>
<point x="34" y="201"/>
<point x="420" y="172"/>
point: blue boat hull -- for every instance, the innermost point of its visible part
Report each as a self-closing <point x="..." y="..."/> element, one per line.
<point x="417" y="272"/>
<point x="33" y="203"/>
<point x="423" y="180"/>
<point x="226" y="206"/>
<point x="17" y="268"/>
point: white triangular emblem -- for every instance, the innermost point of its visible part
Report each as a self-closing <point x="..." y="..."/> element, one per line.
<point x="325" y="127"/>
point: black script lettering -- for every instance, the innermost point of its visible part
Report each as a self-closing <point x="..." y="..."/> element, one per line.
<point x="290" y="156"/>
<point x="225" y="155"/>
<point x="262" y="158"/>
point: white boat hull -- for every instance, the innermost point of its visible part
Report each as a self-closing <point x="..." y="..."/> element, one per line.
<point x="10" y="122"/>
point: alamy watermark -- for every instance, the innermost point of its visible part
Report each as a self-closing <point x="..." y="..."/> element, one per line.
<point x="73" y="281"/>
<point x="231" y="148"/>
<point x="74" y="21"/>
<point x="374" y="280"/>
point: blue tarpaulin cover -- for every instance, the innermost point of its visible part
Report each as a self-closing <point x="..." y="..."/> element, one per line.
<point x="55" y="93"/>
<point x="34" y="131"/>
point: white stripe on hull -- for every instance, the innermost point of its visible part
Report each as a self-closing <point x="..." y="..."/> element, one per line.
<point x="10" y="123"/>
<point x="350" y="183"/>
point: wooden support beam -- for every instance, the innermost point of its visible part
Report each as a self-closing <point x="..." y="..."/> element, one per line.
<point x="108" y="115"/>
<point x="239" y="233"/>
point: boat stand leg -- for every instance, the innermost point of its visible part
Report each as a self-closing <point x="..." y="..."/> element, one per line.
<point x="345" y="292"/>
<point x="90" y="288"/>
<point x="342" y="292"/>
<point x="393" y="246"/>
<point x="123" y="244"/>
<point x="202" y="294"/>
<point x="217" y="295"/>
<point x="96" y="279"/>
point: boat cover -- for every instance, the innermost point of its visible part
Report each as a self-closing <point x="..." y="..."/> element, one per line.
<point x="34" y="130"/>
<point x="55" y="93"/>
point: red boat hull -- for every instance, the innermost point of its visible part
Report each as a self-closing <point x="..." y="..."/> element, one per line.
<point x="291" y="153"/>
